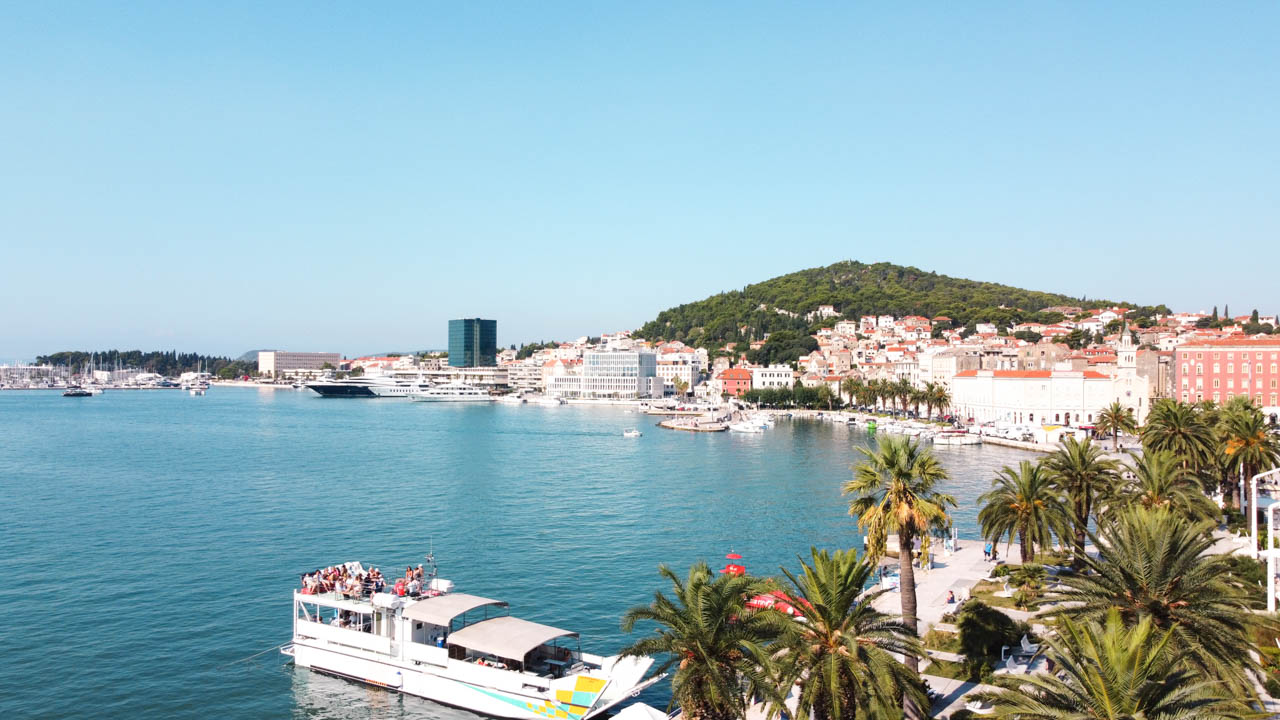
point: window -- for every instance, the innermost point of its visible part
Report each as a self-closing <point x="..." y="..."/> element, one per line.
<point x="1218" y="368"/>
<point x="1258" y="368"/>
<point x="1184" y="397"/>
<point x="1198" y="356"/>
<point x="1199" y="369"/>
<point x="1273" y="368"/>
<point x="1230" y="382"/>
<point x="1230" y="356"/>
<point x="1215" y="382"/>
<point x="1215" y="397"/>
<point x="1185" y="383"/>
<point x="1184" y="368"/>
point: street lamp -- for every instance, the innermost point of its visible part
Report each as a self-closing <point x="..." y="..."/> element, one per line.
<point x="1253" y="506"/>
<point x="1271" y="557"/>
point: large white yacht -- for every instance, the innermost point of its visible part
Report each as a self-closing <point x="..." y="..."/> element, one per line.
<point x="452" y="392"/>
<point x="367" y="387"/>
<point x="460" y="650"/>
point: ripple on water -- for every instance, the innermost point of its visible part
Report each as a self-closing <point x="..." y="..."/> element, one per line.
<point x="156" y="537"/>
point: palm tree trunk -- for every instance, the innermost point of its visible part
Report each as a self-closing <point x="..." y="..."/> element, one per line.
<point x="907" y="594"/>
<point x="1024" y="548"/>
<point x="1115" y="440"/>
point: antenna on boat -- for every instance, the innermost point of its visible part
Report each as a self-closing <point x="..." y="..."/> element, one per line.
<point x="431" y="556"/>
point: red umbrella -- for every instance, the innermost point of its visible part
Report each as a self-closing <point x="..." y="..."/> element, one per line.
<point x="732" y="569"/>
<point x="733" y="556"/>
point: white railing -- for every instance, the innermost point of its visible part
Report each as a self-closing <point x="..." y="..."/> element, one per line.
<point x="345" y="636"/>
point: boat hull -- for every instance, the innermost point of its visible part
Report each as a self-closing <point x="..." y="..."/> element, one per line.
<point x="343" y="391"/>
<point x="473" y="694"/>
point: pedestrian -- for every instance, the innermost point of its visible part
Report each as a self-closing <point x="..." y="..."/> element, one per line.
<point x="986" y="551"/>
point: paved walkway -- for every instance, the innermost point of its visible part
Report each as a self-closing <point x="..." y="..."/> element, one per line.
<point x="953" y="693"/>
<point x="963" y="568"/>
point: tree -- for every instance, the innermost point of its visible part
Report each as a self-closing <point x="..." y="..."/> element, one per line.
<point x="1105" y="670"/>
<point x="842" y="655"/>
<point x="1247" y="444"/>
<point x="850" y="387"/>
<point x="894" y="491"/>
<point x="708" y="637"/>
<point x="1178" y="428"/>
<point x="1155" y="565"/>
<point x="681" y="386"/>
<point x="1160" y="482"/>
<point x="940" y="397"/>
<point x="1022" y="503"/>
<point x="825" y="396"/>
<point x="1115" y="419"/>
<point x="357" y="371"/>
<point x="1082" y="475"/>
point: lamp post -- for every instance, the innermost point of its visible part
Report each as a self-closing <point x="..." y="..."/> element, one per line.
<point x="1271" y="557"/>
<point x="1253" y="506"/>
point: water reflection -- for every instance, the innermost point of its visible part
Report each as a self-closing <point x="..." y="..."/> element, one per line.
<point x="329" y="698"/>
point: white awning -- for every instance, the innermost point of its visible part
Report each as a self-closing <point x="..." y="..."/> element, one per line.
<point x="506" y="637"/>
<point x="440" y="610"/>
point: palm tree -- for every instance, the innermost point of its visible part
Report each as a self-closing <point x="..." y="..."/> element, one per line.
<point x="1107" y="671"/>
<point x="941" y="397"/>
<point x="1022" y="502"/>
<point x="894" y="491"/>
<point x="1160" y="481"/>
<point x="1115" y="419"/>
<point x="842" y="655"/>
<point x="825" y="396"/>
<point x="1082" y="475"/>
<point x="903" y="390"/>
<point x="681" y="386"/>
<point x="1154" y="565"/>
<point x="849" y="386"/>
<point x="716" y="647"/>
<point x="1249" y="446"/>
<point x="1180" y="429"/>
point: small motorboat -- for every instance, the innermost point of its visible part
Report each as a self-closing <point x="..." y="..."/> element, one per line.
<point x="631" y="433"/>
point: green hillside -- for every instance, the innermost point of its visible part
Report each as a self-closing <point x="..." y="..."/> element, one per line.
<point x="854" y="289"/>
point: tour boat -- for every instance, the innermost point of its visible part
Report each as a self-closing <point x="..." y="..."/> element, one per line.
<point x="76" y="391"/>
<point x="460" y="650"/>
<point x="631" y="433"/>
<point x="746" y="427"/>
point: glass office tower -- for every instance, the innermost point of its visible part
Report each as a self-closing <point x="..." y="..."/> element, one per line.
<point x="473" y="343"/>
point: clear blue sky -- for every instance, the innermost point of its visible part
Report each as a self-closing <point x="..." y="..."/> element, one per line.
<point x="321" y="176"/>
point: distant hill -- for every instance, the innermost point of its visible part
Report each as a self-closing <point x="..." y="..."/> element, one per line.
<point x="251" y="356"/>
<point x="854" y="289"/>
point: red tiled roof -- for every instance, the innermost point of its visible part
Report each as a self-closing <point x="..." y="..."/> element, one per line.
<point x="736" y="374"/>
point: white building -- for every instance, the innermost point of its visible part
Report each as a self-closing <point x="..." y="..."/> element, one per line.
<point x="685" y="366"/>
<point x="279" y="362"/>
<point x="772" y="377"/>
<point x="524" y="374"/>
<point x="624" y="375"/>
<point x="1055" y="397"/>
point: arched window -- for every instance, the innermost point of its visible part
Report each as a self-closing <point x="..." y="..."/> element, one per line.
<point x="1199" y="368"/>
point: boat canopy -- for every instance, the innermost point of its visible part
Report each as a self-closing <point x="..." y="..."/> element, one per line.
<point x="506" y="637"/>
<point x="442" y="609"/>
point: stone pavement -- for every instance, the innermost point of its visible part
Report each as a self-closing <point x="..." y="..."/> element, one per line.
<point x="963" y="568"/>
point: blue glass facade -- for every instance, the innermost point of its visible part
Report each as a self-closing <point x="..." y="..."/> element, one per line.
<point x="473" y="343"/>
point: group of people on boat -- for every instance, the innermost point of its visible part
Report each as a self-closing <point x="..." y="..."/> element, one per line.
<point x="355" y="584"/>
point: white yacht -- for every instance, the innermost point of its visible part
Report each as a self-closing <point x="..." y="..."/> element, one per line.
<point x="451" y="392"/>
<point x="547" y="400"/>
<point x="745" y="426"/>
<point x="460" y="650"/>
<point x="368" y="387"/>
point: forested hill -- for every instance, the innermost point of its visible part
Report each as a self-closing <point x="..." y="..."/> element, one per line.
<point x="165" y="362"/>
<point x="854" y="289"/>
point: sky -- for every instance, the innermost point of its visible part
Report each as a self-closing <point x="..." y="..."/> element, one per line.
<point x="219" y="177"/>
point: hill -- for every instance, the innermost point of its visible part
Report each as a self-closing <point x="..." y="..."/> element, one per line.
<point x="854" y="289"/>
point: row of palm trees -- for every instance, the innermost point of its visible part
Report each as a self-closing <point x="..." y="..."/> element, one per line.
<point x="1153" y="625"/>
<point x="900" y="394"/>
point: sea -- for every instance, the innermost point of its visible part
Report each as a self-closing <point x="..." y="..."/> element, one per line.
<point x="152" y="539"/>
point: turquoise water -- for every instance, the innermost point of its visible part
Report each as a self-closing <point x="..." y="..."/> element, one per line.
<point x="152" y="539"/>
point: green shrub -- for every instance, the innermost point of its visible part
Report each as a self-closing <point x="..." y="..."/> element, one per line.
<point x="984" y="630"/>
<point x="963" y="715"/>
<point x="999" y="571"/>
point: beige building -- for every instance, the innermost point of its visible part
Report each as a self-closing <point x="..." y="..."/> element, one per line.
<point x="277" y="363"/>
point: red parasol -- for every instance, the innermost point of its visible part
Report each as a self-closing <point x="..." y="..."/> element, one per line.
<point x="733" y="556"/>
